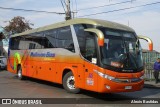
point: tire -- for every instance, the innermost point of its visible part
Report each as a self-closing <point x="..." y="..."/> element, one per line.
<point x="19" y="73"/>
<point x="68" y="83"/>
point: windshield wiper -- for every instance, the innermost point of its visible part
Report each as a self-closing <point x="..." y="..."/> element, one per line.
<point x="134" y="59"/>
<point x="129" y="58"/>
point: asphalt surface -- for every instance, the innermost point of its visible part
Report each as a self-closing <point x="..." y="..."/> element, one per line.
<point x="152" y="84"/>
<point x="11" y="87"/>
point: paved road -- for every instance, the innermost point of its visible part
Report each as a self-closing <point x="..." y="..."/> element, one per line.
<point x="11" y="87"/>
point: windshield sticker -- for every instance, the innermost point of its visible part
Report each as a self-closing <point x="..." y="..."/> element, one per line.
<point x="117" y="64"/>
<point x="36" y="54"/>
<point x="94" y="60"/>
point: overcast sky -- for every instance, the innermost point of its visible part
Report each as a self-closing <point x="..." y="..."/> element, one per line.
<point x="144" y="20"/>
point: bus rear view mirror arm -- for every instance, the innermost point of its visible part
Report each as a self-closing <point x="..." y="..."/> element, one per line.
<point x="98" y="33"/>
<point x="150" y="43"/>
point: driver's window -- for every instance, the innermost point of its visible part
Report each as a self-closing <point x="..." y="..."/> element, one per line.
<point x="90" y="49"/>
<point x="87" y="42"/>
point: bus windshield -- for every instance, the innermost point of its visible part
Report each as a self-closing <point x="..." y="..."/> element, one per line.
<point x="121" y="50"/>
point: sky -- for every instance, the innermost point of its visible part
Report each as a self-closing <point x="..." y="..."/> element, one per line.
<point x="144" y="20"/>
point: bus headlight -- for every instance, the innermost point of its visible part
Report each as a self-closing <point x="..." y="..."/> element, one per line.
<point x="109" y="77"/>
<point x="100" y="74"/>
<point x="104" y="75"/>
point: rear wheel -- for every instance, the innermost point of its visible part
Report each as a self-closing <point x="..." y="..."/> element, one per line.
<point x="69" y="83"/>
<point x="19" y="73"/>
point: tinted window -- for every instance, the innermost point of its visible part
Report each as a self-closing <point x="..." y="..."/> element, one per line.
<point x="86" y="41"/>
<point x="56" y="38"/>
<point x="14" y="43"/>
<point x="64" y="39"/>
<point x="51" y="36"/>
<point x="37" y="43"/>
<point x="80" y="36"/>
<point x="32" y="41"/>
<point x="90" y="48"/>
<point x="32" y="46"/>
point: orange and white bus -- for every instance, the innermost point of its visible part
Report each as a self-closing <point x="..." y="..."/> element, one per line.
<point x="90" y="54"/>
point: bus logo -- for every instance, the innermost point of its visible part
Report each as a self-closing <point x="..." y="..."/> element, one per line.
<point x="36" y="54"/>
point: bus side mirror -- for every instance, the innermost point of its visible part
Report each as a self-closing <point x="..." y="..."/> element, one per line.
<point x="99" y="34"/>
<point x="150" y="43"/>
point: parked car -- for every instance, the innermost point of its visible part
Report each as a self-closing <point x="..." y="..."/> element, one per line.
<point x="3" y="62"/>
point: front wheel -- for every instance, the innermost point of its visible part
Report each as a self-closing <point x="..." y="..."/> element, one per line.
<point x="69" y="83"/>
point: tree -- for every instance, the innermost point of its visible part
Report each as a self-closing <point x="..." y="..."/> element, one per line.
<point x="17" y="25"/>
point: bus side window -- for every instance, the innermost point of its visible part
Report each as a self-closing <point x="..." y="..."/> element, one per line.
<point x="23" y="44"/>
<point x="37" y="41"/>
<point x="51" y="38"/>
<point x="64" y="39"/>
<point x="14" y="43"/>
<point x="32" y="45"/>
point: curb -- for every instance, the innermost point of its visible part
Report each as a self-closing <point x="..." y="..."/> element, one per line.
<point x="156" y="86"/>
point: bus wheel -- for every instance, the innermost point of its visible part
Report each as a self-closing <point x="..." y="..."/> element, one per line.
<point x="69" y="83"/>
<point x="19" y="73"/>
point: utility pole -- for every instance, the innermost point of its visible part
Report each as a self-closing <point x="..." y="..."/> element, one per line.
<point x="68" y="11"/>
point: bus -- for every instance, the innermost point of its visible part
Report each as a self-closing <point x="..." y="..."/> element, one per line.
<point x="1" y="43"/>
<point x="1" y="47"/>
<point x="89" y="54"/>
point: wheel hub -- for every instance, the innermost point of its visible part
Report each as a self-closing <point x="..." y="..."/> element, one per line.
<point x="70" y="82"/>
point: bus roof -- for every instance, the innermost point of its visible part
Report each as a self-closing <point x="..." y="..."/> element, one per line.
<point x="95" y="22"/>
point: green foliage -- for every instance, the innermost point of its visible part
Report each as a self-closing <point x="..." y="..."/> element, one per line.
<point x="17" y="25"/>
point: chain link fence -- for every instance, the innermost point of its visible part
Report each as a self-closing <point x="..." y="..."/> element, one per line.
<point x="149" y="58"/>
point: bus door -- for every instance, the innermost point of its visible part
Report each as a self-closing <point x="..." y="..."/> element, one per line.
<point x="90" y="63"/>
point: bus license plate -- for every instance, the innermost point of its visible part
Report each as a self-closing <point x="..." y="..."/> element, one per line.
<point x="128" y="87"/>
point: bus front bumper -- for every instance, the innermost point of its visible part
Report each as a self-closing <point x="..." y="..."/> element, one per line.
<point x="115" y="87"/>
